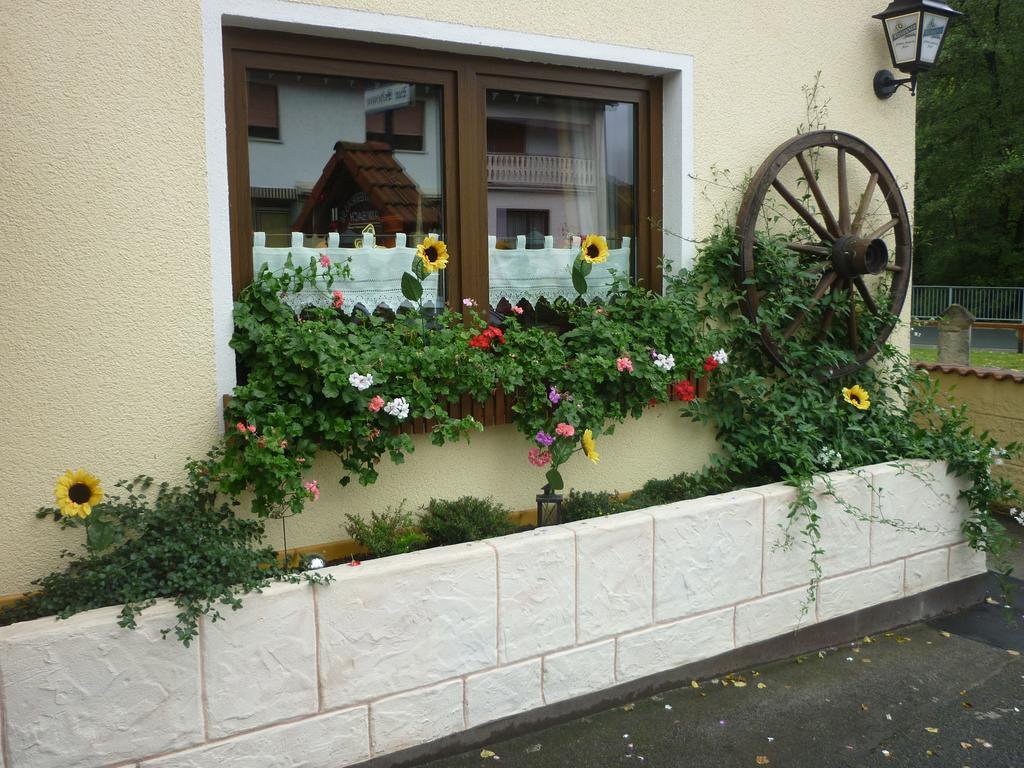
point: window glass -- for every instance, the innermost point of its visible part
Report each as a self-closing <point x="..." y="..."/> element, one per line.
<point x="356" y="173"/>
<point x="558" y="169"/>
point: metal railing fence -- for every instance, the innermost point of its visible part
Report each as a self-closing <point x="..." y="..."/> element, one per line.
<point x="988" y="304"/>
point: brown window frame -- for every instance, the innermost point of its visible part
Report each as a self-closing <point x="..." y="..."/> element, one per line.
<point x="465" y="80"/>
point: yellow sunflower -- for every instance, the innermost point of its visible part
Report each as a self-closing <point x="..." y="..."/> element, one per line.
<point x="594" y="249"/>
<point x="433" y="253"/>
<point x="857" y="397"/>
<point x="77" y="493"/>
<point x="589" y="450"/>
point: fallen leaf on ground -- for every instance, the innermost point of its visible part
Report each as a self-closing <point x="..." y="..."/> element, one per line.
<point x="945" y="634"/>
<point x="886" y="753"/>
<point x="533" y="748"/>
<point x="487" y="754"/>
<point x="762" y="759"/>
<point x="901" y="640"/>
<point x="990" y="601"/>
<point x="966" y="705"/>
<point x="866" y="661"/>
<point x="761" y="685"/>
<point x="931" y="729"/>
<point x="739" y="684"/>
<point x="966" y="745"/>
<point x="628" y="707"/>
<point x="929" y="753"/>
<point x="694" y="684"/>
<point x="1013" y="653"/>
<point x="864" y="707"/>
<point x="868" y="640"/>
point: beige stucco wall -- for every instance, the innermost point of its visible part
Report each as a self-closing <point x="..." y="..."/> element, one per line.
<point x="106" y="318"/>
<point x="996" y="407"/>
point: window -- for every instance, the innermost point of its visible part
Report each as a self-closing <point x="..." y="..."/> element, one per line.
<point x="377" y="147"/>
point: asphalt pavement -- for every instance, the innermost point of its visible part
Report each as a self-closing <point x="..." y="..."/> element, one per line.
<point x="995" y="339"/>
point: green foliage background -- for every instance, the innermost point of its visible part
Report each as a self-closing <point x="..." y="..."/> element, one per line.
<point x="970" y="152"/>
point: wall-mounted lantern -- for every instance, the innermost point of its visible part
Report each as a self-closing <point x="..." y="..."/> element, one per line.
<point x="914" y="31"/>
<point x="549" y="507"/>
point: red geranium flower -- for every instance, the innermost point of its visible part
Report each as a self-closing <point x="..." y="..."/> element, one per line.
<point x="710" y="364"/>
<point x="684" y="390"/>
<point x="484" y="340"/>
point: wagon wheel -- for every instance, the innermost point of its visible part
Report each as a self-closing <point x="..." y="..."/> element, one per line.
<point x="852" y="263"/>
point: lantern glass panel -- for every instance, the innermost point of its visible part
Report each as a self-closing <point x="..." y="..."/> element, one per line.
<point x="931" y="36"/>
<point x="902" y="31"/>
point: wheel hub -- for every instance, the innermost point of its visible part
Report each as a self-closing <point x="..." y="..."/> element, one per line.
<point x="855" y="256"/>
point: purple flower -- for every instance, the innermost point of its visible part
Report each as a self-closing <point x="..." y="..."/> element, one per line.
<point x="543" y="438"/>
<point x="554" y="397"/>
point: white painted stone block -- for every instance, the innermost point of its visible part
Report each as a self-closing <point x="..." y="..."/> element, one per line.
<point x="536" y="593"/>
<point x="416" y="717"/>
<point x="773" y="616"/>
<point x="668" y="646"/>
<point x="503" y="692"/>
<point x="582" y="670"/>
<point x="400" y="622"/>
<point x="614" y="574"/>
<point x="324" y="741"/>
<point x="965" y="562"/>
<point x="844" y="539"/>
<point x="924" y="496"/>
<point x="707" y="553"/>
<point x="86" y="692"/>
<point x="260" y="662"/>
<point x="926" y="571"/>
<point x="845" y="594"/>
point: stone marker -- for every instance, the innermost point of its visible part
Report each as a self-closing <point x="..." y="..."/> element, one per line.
<point x="955" y="336"/>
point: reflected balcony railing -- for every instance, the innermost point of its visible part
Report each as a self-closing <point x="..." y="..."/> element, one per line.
<point x="506" y="169"/>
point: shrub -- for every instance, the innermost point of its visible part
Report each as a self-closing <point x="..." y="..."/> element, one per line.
<point x="685" y="485"/>
<point x="465" y="519"/>
<point x="583" y="505"/>
<point x="391" y="532"/>
<point x="182" y="544"/>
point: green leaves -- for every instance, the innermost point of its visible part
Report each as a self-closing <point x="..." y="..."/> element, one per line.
<point x="412" y="288"/>
<point x="554" y="479"/>
<point x="580" y="271"/>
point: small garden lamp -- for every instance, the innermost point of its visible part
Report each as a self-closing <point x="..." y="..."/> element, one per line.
<point x="549" y="507"/>
<point x="914" y="31"/>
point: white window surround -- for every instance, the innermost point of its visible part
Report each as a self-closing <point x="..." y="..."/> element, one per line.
<point x="675" y="70"/>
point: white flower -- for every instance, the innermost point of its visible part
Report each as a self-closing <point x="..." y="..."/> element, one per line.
<point x="721" y="357"/>
<point x="399" y="408"/>
<point x="665" y="362"/>
<point x="829" y="458"/>
<point x="997" y="456"/>
<point x="361" y="381"/>
<point x="1017" y="515"/>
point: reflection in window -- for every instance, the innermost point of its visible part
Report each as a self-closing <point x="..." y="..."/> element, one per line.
<point x="356" y="172"/>
<point x="558" y="169"/>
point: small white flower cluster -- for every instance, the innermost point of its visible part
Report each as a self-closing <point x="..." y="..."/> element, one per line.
<point x="361" y="381"/>
<point x="1017" y="515"/>
<point x="399" y="408"/>
<point x="829" y="458"/>
<point x="997" y="456"/>
<point x="665" y="362"/>
<point x="721" y="357"/>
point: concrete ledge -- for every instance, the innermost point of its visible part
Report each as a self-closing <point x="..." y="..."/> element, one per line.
<point x="454" y="645"/>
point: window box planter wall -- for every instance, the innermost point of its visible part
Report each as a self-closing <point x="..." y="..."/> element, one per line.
<point x="403" y="651"/>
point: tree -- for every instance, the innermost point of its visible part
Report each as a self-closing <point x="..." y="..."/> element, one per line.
<point x="970" y="152"/>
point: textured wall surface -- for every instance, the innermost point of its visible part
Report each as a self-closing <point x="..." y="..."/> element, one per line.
<point x="404" y="650"/>
<point x="107" y="345"/>
<point x="996" y="407"/>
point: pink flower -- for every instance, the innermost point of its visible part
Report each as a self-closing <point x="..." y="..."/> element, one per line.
<point x="376" y="403"/>
<point x="469" y="302"/>
<point x="517" y="310"/>
<point x="300" y="460"/>
<point x="240" y="427"/>
<point x="339" y="299"/>
<point x="283" y="444"/>
<point x="313" y="488"/>
<point x="538" y="457"/>
<point x="325" y="260"/>
<point x="624" y="364"/>
<point x="565" y="430"/>
<point x="252" y="428"/>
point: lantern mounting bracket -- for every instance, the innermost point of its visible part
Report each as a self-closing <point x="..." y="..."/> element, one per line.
<point x="885" y="83"/>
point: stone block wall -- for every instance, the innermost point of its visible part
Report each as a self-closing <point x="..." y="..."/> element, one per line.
<point x="402" y="651"/>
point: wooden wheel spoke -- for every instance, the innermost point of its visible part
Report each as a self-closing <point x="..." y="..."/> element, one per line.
<point x="865" y="294"/>
<point x="802" y="211"/>
<point x="882" y="229"/>
<point x="823" y="285"/>
<point x="830" y="314"/>
<point x="830" y="221"/>
<point x="893" y="268"/>
<point x="844" y="192"/>
<point x="865" y="201"/>
<point x="815" y="250"/>
<point x="851" y="321"/>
